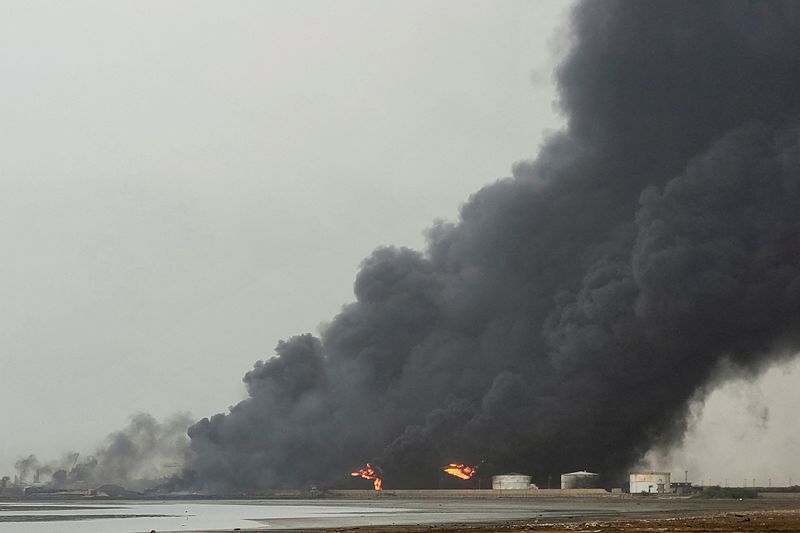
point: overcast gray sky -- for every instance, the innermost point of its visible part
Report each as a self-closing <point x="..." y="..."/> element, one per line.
<point x="182" y="184"/>
<point x="185" y="183"/>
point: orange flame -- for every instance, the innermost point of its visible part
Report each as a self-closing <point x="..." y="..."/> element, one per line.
<point x="371" y="473"/>
<point x="459" y="470"/>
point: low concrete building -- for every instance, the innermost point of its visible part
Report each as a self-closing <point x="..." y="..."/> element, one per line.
<point x="650" y="482"/>
<point x="684" y="488"/>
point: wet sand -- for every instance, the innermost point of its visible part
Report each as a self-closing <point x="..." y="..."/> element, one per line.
<point x="745" y="522"/>
<point x="428" y="515"/>
<point x="629" y="514"/>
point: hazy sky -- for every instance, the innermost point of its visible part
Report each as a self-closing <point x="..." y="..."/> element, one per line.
<point x="185" y="183"/>
<point x="182" y="184"/>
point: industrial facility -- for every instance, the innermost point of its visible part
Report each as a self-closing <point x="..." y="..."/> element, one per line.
<point x="580" y="480"/>
<point x="650" y="482"/>
<point x="512" y="481"/>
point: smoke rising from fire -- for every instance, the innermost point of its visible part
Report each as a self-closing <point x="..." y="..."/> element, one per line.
<point x="138" y="456"/>
<point x="574" y="309"/>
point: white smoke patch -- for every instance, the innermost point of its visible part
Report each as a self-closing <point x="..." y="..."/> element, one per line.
<point x="744" y="430"/>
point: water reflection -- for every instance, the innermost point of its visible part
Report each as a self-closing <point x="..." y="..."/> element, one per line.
<point x="132" y="517"/>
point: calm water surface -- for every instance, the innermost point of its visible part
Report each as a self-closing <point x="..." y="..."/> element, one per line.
<point x="194" y="515"/>
<point x="131" y="517"/>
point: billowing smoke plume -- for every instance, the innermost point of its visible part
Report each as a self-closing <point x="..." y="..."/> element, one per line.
<point x="573" y="310"/>
<point x="139" y="456"/>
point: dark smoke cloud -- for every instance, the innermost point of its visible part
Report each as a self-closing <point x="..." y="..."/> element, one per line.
<point x="139" y="456"/>
<point x="575" y="308"/>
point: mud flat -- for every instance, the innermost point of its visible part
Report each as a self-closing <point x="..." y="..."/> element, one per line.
<point x="389" y="514"/>
<point x="584" y="514"/>
<point x="742" y="522"/>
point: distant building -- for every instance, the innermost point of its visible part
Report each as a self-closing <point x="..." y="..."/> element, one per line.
<point x="513" y="481"/>
<point x="684" y="488"/>
<point x="580" y="480"/>
<point x="650" y="482"/>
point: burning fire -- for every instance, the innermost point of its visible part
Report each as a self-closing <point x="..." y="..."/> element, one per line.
<point x="373" y="473"/>
<point x="459" y="470"/>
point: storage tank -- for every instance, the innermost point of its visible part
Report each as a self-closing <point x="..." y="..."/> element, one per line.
<point x="651" y="482"/>
<point x="580" y="480"/>
<point x="511" y="481"/>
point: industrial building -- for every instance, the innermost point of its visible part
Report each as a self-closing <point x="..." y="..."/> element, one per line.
<point x="513" y="481"/>
<point x="580" y="480"/>
<point x="650" y="482"/>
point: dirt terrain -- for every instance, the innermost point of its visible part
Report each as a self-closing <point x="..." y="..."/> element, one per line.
<point x="760" y="521"/>
<point x="719" y="516"/>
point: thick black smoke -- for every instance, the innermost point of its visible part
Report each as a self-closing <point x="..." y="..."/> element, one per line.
<point x="574" y="309"/>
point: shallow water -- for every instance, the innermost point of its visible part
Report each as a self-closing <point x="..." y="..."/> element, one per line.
<point x="197" y="515"/>
<point x="175" y="516"/>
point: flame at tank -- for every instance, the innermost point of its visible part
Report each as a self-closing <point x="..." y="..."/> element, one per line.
<point x="460" y="470"/>
<point x="372" y="473"/>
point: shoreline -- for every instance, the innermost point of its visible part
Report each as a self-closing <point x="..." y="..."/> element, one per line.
<point x="778" y="521"/>
<point x="439" y="514"/>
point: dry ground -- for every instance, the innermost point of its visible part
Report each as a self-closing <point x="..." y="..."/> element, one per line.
<point x="778" y="521"/>
<point x="782" y="520"/>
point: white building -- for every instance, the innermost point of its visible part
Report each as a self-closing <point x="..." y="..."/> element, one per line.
<point x="580" y="480"/>
<point x="512" y="481"/>
<point x="651" y="482"/>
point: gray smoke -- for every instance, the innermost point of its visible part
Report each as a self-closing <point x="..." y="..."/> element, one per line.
<point x="27" y="467"/>
<point x="575" y="308"/>
<point x="139" y="456"/>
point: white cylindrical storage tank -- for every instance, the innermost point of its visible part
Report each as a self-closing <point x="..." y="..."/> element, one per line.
<point x="511" y="481"/>
<point x="580" y="480"/>
<point x="650" y="482"/>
